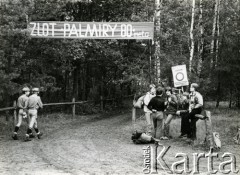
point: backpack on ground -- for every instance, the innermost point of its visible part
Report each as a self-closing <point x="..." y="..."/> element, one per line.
<point x="141" y="138"/>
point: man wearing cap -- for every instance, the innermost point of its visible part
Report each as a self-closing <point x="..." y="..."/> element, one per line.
<point x="157" y="106"/>
<point x="34" y="103"/>
<point x="22" y="110"/>
<point x="195" y="107"/>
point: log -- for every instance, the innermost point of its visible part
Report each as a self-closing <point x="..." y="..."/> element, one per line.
<point x="204" y="128"/>
<point x="201" y="131"/>
<point x="175" y="127"/>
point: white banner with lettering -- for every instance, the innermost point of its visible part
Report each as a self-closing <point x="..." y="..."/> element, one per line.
<point x="91" y="30"/>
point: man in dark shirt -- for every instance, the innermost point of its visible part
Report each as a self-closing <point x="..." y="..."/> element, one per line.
<point x="157" y="106"/>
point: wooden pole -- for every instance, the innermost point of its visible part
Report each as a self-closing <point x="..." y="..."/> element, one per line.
<point x="134" y="118"/>
<point x="73" y="107"/>
<point x="14" y="113"/>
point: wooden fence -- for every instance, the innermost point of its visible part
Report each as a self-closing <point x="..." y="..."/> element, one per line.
<point x="73" y="103"/>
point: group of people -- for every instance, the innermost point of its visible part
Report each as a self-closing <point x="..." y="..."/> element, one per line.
<point x="162" y="104"/>
<point x="27" y="108"/>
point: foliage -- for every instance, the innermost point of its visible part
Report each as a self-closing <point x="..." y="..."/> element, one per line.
<point x="88" y="69"/>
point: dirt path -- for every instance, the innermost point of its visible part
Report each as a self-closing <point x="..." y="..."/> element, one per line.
<point x="97" y="147"/>
<point x="91" y="147"/>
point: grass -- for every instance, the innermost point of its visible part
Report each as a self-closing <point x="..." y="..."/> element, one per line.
<point x="224" y="120"/>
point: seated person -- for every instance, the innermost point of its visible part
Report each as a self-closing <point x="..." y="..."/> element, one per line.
<point x="171" y="109"/>
<point x="195" y="107"/>
<point x="183" y="112"/>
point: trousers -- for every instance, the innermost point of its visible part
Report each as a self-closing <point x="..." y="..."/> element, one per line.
<point x="154" y="123"/>
<point x="192" y="120"/>
<point x="32" y="118"/>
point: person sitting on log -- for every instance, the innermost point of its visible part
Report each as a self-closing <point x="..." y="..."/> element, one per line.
<point x="171" y="109"/>
<point x="195" y="107"/>
<point x="183" y="112"/>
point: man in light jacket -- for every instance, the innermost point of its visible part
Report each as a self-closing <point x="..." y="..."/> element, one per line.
<point x="34" y="103"/>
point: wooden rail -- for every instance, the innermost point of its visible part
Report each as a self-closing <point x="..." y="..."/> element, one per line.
<point x="7" y="109"/>
<point x="73" y="103"/>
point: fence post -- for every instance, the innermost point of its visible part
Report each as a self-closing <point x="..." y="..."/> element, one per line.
<point x="134" y="113"/>
<point x="134" y="118"/>
<point x="73" y="108"/>
<point x="101" y="102"/>
<point x="14" y="113"/>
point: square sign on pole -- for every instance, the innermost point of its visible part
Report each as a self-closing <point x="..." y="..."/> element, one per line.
<point x="180" y="76"/>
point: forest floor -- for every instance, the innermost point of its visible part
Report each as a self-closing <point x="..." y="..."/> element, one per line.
<point x="100" y="144"/>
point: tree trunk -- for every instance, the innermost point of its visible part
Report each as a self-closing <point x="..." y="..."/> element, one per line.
<point x="214" y="32"/>
<point x="218" y="33"/>
<point x="200" y="45"/>
<point x="218" y="92"/>
<point x="84" y="79"/>
<point x="66" y="84"/>
<point x="191" y="37"/>
<point x="75" y="83"/>
<point x="158" y="5"/>
<point x="150" y="61"/>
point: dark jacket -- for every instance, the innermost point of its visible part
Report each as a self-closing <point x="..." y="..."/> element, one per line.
<point x="157" y="103"/>
<point x="172" y="105"/>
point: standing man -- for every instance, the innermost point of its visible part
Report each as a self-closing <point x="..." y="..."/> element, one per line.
<point x="22" y="110"/>
<point x="157" y="106"/>
<point x="195" y="107"/>
<point x="34" y="103"/>
<point x="148" y="112"/>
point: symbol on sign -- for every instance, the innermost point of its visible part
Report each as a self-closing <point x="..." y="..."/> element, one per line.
<point x="179" y="76"/>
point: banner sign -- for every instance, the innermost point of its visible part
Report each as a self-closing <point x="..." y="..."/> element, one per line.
<point x="91" y="30"/>
<point x="180" y="76"/>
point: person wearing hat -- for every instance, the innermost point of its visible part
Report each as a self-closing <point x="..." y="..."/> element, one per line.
<point x="183" y="112"/>
<point x="34" y="103"/>
<point x="195" y="107"/>
<point x="171" y="109"/>
<point x="22" y="110"/>
<point x="157" y="106"/>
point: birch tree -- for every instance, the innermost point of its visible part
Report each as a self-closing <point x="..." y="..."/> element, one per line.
<point x="158" y="4"/>
<point x="218" y="33"/>
<point x="215" y="18"/>
<point x="191" y="37"/>
<point x="201" y="42"/>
